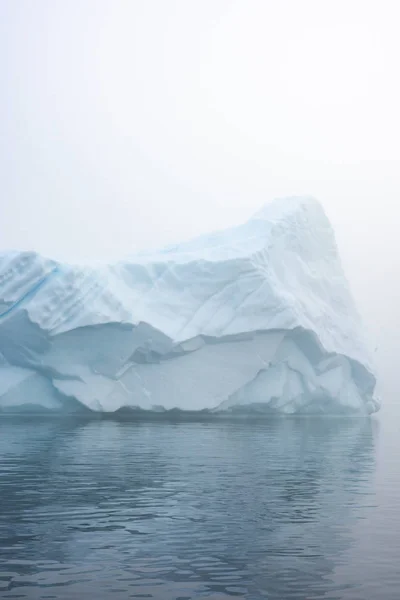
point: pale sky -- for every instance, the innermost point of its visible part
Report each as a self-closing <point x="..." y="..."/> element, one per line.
<point x="129" y="124"/>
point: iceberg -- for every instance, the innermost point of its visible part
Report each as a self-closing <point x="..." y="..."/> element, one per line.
<point x="258" y="318"/>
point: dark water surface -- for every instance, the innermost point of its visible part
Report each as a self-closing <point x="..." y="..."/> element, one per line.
<point x="280" y="509"/>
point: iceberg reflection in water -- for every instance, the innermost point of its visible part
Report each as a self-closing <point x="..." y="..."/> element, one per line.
<point x="114" y="509"/>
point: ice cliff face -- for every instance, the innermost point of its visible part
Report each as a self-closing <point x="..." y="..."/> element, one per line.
<point x="258" y="318"/>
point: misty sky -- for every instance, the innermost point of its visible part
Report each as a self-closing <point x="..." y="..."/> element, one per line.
<point x="129" y="124"/>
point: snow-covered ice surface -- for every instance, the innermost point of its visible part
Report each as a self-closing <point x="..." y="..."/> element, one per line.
<point x="255" y="318"/>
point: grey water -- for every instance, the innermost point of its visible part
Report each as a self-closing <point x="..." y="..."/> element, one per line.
<point x="284" y="508"/>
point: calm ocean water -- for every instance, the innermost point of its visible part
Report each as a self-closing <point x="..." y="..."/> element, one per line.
<point x="288" y="508"/>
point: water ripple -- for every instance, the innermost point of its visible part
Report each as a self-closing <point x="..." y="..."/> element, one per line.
<point x="122" y="510"/>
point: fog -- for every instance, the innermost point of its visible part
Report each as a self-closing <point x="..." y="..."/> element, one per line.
<point x="131" y="124"/>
